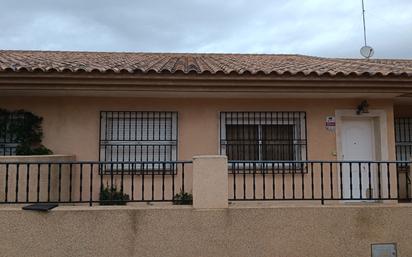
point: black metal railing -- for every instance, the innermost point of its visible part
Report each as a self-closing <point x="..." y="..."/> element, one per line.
<point x="403" y="138"/>
<point x="85" y="182"/>
<point x="319" y="180"/>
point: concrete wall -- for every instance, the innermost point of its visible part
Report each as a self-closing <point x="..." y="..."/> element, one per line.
<point x="309" y="231"/>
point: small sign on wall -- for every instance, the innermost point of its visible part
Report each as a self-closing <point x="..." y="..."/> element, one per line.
<point x="384" y="250"/>
<point x="330" y="123"/>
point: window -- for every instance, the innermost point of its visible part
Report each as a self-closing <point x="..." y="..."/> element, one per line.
<point x="8" y="134"/>
<point x="138" y="137"/>
<point x="403" y="138"/>
<point x="263" y="136"/>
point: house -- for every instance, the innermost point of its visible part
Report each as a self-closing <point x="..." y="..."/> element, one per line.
<point x="293" y="127"/>
<point x="256" y="109"/>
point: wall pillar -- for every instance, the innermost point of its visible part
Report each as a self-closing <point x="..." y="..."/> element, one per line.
<point x="210" y="182"/>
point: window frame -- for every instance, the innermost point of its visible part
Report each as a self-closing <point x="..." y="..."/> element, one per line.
<point x="296" y="118"/>
<point x="403" y="140"/>
<point x="9" y="141"/>
<point x="149" y="164"/>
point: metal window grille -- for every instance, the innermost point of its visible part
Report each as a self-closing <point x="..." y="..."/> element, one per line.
<point x="263" y="136"/>
<point x="8" y="136"/>
<point x="133" y="136"/>
<point x="403" y="138"/>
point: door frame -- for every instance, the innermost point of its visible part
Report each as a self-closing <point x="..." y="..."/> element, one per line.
<point x="380" y="123"/>
<point x="381" y="134"/>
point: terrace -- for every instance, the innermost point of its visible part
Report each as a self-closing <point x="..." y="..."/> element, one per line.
<point x="65" y="182"/>
<point x="266" y="162"/>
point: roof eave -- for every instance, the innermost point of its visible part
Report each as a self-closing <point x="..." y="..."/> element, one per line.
<point x="79" y="83"/>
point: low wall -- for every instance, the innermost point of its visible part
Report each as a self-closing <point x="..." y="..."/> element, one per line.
<point x="38" y="177"/>
<point x="300" y="231"/>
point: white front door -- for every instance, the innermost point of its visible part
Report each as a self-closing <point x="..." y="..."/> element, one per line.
<point x="358" y="144"/>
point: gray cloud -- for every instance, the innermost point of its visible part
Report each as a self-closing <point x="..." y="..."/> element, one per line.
<point x="330" y="28"/>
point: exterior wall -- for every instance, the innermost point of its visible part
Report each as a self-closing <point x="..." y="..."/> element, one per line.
<point x="403" y="110"/>
<point x="71" y="124"/>
<point x="310" y="231"/>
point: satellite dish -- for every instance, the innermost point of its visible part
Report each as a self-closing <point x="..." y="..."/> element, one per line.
<point x="367" y="51"/>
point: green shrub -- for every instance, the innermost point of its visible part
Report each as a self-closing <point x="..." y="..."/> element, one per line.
<point x="111" y="196"/>
<point x="183" y="198"/>
<point x="25" y="129"/>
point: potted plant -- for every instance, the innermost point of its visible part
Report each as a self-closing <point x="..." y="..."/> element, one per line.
<point x="183" y="198"/>
<point x="111" y="196"/>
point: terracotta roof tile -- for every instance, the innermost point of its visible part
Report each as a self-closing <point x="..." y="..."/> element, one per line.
<point x="47" y="61"/>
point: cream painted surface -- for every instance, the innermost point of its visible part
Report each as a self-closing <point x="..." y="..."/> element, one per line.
<point x="71" y="124"/>
<point x="253" y="231"/>
<point x="210" y="188"/>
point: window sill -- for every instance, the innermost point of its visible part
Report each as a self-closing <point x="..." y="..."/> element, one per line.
<point x="151" y="172"/>
<point x="249" y="168"/>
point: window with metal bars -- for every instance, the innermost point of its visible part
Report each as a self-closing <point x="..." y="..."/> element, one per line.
<point x="403" y="138"/>
<point x="263" y="136"/>
<point x="132" y="136"/>
<point x="8" y="137"/>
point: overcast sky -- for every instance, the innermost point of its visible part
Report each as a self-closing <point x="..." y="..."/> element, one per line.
<point x="331" y="28"/>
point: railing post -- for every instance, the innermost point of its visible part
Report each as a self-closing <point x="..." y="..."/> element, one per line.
<point x="210" y="182"/>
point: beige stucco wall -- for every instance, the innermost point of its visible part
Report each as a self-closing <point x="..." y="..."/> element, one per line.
<point x="310" y="231"/>
<point x="71" y="124"/>
<point x="402" y="110"/>
<point x="210" y="183"/>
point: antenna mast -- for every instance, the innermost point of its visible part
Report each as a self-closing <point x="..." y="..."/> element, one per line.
<point x="364" y="23"/>
<point x="366" y="51"/>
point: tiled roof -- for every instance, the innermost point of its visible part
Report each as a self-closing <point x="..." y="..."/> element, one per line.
<point x="167" y="63"/>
